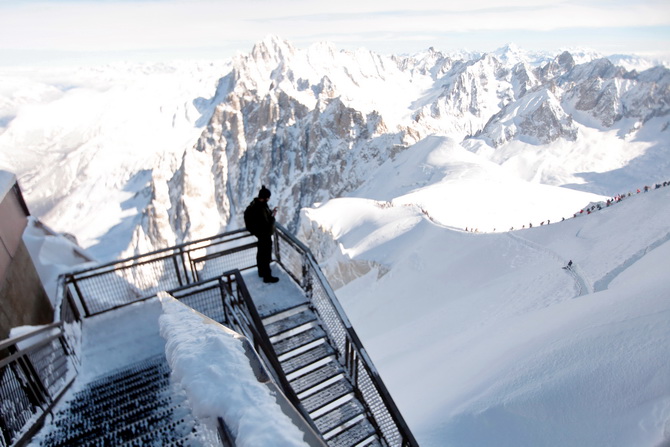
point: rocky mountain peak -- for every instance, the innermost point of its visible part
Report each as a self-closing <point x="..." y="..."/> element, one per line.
<point x="314" y="124"/>
<point x="566" y="61"/>
<point x="511" y="55"/>
<point x="272" y="49"/>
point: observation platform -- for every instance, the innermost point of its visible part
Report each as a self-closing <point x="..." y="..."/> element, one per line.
<point x="299" y="342"/>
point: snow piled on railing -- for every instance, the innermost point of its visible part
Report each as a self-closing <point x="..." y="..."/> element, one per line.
<point x="210" y="363"/>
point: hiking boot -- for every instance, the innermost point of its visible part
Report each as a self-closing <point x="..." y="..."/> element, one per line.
<point x="270" y="279"/>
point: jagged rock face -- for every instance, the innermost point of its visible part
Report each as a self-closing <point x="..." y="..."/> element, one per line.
<point x="525" y="79"/>
<point x="471" y="92"/>
<point x="600" y="89"/>
<point x="547" y="123"/>
<point x="314" y="124"/>
<point x="563" y="64"/>
<point x="602" y="100"/>
<point x="609" y="93"/>
<point x="538" y="118"/>
<point x="303" y="154"/>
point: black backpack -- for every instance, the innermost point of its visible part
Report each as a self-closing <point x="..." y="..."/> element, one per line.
<point x="249" y="223"/>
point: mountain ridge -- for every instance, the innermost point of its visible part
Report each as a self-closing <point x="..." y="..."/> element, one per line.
<point x="315" y="124"/>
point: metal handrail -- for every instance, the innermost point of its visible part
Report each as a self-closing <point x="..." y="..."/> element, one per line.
<point x="108" y="286"/>
<point x="35" y="371"/>
<point x="353" y="348"/>
<point x="225" y="435"/>
<point x="5" y="344"/>
<point x="195" y="244"/>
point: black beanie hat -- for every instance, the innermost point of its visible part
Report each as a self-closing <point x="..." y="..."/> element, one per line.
<point x="264" y="193"/>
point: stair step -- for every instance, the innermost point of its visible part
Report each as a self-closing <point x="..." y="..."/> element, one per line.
<point x="113" y="390"/>
<point x="136" y="409"/>
<point x="300" y="339"/>
<point x="320" y="386"/>
<point x="164" y="434"/>
<point x="114" y="415"/>
<point x="338" y="416"/>
<point x="193" y="439"/>
<point x="121" y="430"/>
<point x="372" y="441"/>
<point x="285" y="314"/>
<point x="305" y="382"/>
<point x="344" y="425"/>
<point x="110" y="384"/>
<point x="359" y="432"/>
<point x="136" y="393"/>
<point x="307" y="358"/>
<point x="292" y="322"/>
<point x="327" y="395"/>
<point x="129" y="374"/>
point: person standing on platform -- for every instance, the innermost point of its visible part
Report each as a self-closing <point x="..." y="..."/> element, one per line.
<point x="260" y="222"/>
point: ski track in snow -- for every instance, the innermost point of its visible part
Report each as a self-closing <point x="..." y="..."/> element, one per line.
<point x="583" y="287"/>
<point x="604" y="282"/>
<point x="581" y="284"/>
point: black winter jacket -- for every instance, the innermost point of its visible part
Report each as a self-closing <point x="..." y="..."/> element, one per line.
<point x="259" y="219"/>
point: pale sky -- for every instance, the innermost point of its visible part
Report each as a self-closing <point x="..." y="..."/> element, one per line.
<point x="38" y="31"/>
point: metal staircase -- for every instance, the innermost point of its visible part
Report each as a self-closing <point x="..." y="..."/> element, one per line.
<point x="320" y="382"/>
<point x="133" y="406"/>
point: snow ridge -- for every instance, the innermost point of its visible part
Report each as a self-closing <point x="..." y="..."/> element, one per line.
<point x="313" y="124"/>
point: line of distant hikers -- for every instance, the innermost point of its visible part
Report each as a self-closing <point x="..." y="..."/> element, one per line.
<point x="590" y="208"/>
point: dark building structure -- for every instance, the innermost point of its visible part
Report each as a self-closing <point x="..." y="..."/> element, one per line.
<point x="23" y="300"/>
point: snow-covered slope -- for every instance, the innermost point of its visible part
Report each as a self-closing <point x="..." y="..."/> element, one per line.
<point x="457" y="188"/>
<point x="484" y="339"/>
<point x="87" y="144"/>
<point x="130" y="158"/>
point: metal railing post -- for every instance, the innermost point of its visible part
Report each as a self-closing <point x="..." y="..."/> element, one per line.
<point x="81" y="296"/>
<point x="275" y="243"/>
<point x="33" y="387"/>
<point x="307" y="285"/>
<point x="176" y="270"/>
<point x="72" y="305"/>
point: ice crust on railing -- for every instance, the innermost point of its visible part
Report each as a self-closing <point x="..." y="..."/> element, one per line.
<point x="211" y="366"/>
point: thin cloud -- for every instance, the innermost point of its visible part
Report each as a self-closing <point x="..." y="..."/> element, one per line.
<point x="165" y="25"/>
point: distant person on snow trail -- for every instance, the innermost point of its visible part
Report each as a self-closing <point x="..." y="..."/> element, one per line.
<point x="260" y="222"/>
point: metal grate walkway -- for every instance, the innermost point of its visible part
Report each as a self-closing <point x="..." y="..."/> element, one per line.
<point x="132" y="406"/>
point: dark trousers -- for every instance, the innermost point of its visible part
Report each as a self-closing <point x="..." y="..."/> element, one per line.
<point x="264" y="256"/>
